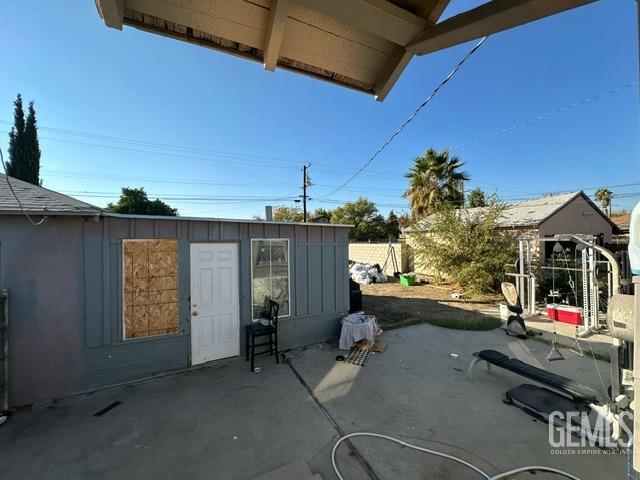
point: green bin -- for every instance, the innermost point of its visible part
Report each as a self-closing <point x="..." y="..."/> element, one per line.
<point x="407" y="280"/>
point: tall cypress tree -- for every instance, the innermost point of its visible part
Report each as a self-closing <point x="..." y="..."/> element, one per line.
<point x="24" y="148"/>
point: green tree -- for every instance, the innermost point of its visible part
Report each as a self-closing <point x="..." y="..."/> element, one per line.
<point x="604" y="196"/>
<point x="363" y="215"/>
<point x="321" y="213"/>
<point x="393" y="225"/>
<point x="435" y="179"/>
<point x="465" y="248"/>
<point x="136" y="201"/>
<point x="24" y="148"/>
<point x="283" y="213"/>
<point x="476" y="198"/>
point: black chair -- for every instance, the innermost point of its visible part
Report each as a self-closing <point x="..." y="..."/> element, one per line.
<point x="257" y="329"/>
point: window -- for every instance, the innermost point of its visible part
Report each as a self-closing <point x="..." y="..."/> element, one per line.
<point x="150" y="287"/>
<point x="270" y="274"/>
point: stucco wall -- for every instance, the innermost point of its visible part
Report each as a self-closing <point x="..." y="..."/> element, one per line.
<point x="43" y="270"/>
<point x="377" y="253"/>
<point x="578" y="216"/>
<point x="65" y="285"/>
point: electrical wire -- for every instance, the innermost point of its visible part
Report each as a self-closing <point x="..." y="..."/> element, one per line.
<point x="412" y="116"/>
<point x="6" y="177"/>
<point x="156" y="145"/>
<point x="546" y="115"/>
<point x="532" y="468"/>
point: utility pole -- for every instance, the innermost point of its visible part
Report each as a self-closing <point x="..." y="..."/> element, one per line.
<point x="305" y="183"/>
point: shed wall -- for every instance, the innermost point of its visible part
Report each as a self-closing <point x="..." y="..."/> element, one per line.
<point x="65" y="283"/>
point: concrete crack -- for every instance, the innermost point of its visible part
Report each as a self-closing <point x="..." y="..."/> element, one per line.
<point x="352" y="448"/>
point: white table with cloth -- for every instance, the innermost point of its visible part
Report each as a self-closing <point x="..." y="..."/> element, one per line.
<point x="356" y="327"/>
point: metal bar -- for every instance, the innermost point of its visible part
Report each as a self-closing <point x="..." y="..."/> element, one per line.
<point x="595" y="310"/>
<point x="521" y="291"/>
<point x="585" y="290"/>
<point x="568" y="269"/>
<point x="615" y="267"/>
<point x="532" y="293"/>
<point x="4" y="328"/>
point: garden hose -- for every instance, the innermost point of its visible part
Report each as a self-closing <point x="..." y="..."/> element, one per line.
<point x="486" y="476"/>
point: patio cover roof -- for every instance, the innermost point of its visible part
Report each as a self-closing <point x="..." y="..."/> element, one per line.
<point x="361" y="44"/>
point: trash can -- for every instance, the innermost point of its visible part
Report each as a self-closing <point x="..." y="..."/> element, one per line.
<point x="355" y="297"/>
<point x="407" y="280"/>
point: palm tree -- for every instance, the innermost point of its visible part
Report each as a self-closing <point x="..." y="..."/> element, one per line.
<point x="604" y="195"/>
<point x="434" y="179"/>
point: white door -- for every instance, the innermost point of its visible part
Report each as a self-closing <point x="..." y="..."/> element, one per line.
<point x="215" y="303"/>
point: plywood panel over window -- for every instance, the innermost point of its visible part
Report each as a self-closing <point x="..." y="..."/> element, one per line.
<point x="150" y="270"/>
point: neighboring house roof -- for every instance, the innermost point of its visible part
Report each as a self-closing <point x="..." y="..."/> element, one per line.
<point x="622" y="220"/>
<point x="39" y="200"/>
<point x="530" y="213"/>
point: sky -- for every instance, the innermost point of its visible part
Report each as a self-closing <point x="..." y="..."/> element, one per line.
<point x="218" y="136"/>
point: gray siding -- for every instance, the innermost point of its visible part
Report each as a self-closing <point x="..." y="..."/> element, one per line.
<point x="65" y="283"/>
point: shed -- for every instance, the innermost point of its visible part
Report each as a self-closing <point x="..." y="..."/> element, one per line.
<point x="98" y="299"/>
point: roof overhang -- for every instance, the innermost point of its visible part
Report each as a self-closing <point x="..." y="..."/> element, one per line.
<point x="360" y="44"/>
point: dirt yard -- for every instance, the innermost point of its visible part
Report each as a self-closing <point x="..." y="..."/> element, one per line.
<point x="396" y="306"/>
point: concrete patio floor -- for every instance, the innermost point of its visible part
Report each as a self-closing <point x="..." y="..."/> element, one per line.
<point x="223" y="422"/>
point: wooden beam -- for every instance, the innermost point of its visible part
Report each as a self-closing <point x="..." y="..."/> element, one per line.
<point x="390" y="73"/>
<point x="430" y="10"/>
<point x="275" y="32"/>
<point x="112" y="12"/>
<point x="378" y="17"/>
<point x="494" y="16"/>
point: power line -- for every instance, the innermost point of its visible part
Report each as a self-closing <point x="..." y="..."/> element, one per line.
<point x="169" y="154"/>
<point x="546" y="115"/>
<point x="157" y="145"/>
<point x="412" y="116"/>
<point x="251" y="158"/>
<point x="126" y="178"/>
<point x="173" y="196"/>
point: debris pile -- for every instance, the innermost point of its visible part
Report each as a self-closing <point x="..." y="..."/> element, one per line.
<point x="367" y="273"/>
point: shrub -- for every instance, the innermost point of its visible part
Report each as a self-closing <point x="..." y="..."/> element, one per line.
<point x="465" y="247"/>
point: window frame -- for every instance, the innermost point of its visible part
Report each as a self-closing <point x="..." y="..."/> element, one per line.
<point x="256" y="239"/>
<point x="123" y="332"/>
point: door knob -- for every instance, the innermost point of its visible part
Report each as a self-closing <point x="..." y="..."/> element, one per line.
<point x="195" y="314"/>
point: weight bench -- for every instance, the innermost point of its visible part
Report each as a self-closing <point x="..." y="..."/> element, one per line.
<point x="568" y="387"/>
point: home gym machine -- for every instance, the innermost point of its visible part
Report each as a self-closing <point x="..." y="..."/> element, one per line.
<point x="561" y="394"/>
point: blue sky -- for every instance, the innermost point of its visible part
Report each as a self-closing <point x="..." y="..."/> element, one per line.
<point x="243" y="133"/>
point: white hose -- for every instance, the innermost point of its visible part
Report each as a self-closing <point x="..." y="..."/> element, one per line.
<point x="443" y="455"/>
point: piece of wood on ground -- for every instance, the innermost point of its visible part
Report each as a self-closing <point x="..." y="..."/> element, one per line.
<point x="379" y="346"/>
